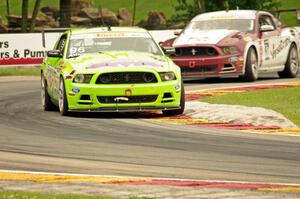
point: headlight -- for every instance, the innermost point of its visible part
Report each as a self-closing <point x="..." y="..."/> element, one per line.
<point x="83" y="78"/>
<point x="230" y="50"/>
<point x="167" y="76"/>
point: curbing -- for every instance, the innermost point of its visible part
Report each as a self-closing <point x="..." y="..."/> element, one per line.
<point x="197" y="95"/>
<point x="48" y="177"/>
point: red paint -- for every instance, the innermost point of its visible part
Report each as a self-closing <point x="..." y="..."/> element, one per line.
<point x="19" y="61"/>
<point x="201" y="184"/>
<point x="237" y="126"/>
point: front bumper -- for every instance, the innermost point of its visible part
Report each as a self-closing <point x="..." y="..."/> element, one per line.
<point x="215" y="66"/>
<point x="88" y="97"/>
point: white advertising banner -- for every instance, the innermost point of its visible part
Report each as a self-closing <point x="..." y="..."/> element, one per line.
<point x="24" y="49"/>
<point x="27" y="49"/>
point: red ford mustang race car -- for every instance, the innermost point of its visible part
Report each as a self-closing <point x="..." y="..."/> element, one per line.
<point x="241" y="43"/>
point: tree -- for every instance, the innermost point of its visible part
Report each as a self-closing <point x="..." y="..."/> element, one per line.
<point x="24" y="16"/>
<point x="65" y="13"/>
<point x="7" y="8"/>
<point x="34" y="14"/>
<point x="187" y="9"/>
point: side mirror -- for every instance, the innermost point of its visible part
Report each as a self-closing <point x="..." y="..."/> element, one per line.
<point x="266" y="28"/>
<point x="169" y="51"/>
<point x="177" y="32"/>
<point x="54" y="53"/>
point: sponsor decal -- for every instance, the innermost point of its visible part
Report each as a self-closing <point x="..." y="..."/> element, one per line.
<point x="75" y="90"/>
<point x="192" y="64"/>
<point x="224" y="17"/>
<point x="128" y="92"/>
<point x="124" y="63"/>
<point x="247" y="38"/>
<point x="278" y="49"/>
<point x="194" y="51"/>
<point x="110" y="35"/>
<point x="267" y="49"/>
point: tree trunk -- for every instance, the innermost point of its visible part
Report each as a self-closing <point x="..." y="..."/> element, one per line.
<point x="201" y="5"/>
<point x="7" y="8"/>
<point x="24" y="16"/>
<point x="134" y="10"/>
<point x="34" y="15"/>
<point x="65" y="13"/>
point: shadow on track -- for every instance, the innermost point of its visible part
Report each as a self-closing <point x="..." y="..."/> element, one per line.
<point x="114" y="115"/>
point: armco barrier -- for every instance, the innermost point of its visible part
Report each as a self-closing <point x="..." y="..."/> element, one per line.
<point x="27" y="49"/>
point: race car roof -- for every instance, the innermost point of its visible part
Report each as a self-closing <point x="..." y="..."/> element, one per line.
<point x="109" y="29"/>
<point x="230" y="14"/>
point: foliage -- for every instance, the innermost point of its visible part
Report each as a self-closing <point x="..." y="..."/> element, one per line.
<point x="190" y="8"/>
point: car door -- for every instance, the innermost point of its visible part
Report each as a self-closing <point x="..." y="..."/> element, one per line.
<point x="270" y="38"/>
<point x="54" y="65"/>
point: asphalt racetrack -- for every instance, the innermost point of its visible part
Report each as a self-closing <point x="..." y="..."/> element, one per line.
<point x="128" y="144"/>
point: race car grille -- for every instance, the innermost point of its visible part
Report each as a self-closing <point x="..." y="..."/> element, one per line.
<point x="126" y="78"/>
<point x="124" y="99"/>
<point x="196" y="51"/>
<point x="204" y="69"/>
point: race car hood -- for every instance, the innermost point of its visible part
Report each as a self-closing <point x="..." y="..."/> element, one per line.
<point x="192" y="37"/>
<point x="120" y="61"/>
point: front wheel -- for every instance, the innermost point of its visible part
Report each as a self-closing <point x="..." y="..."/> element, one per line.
<point x="292" y="65"/>
<point x="45" y="97"/>
<point x="182" y="105"/>
<point x="251" y="67"/>
<point x="62" y="99"/>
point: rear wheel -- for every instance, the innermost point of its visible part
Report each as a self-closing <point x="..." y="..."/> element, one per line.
<point x="182" y="105"/>
<point x="45" y="97"/>
<point x="251" y="67"/>
<point x="292" y="64"/>
<point x="62" y="99"/>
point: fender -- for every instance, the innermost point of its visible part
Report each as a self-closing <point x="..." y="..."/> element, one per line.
<point x="255" y="45"/>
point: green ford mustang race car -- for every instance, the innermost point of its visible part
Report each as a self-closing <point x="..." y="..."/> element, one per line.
<point x="108" y="70"/>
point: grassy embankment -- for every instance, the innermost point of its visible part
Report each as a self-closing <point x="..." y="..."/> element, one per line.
<point x="282" y="100"/>
<point x="20" y="71"/>
<point x="143" y="7"/>
<point x="28" y="195"/>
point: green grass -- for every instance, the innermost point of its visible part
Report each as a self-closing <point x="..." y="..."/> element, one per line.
<point x="20" y="71"/>
<point x="289" y="18"/>
<point x="29" y="195"/>
<point x="143" y="6"/>
<point x="282" y="100"/>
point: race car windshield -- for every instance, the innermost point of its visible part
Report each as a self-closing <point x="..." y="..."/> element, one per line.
<point x="245" y="25"/>
<point x="89" y="44"/>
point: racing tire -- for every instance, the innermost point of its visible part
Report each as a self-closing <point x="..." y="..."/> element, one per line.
<point x="292" y="64"/>
<point x="251" y="67"/>
<point x="182" y="105"/>
<point x="62" y="98"/>
<point x="45" y="97"/>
